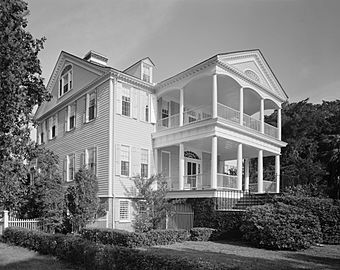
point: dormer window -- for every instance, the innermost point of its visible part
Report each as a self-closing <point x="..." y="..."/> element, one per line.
<point x="65" y="82"/>
<point x="146" y="73"/>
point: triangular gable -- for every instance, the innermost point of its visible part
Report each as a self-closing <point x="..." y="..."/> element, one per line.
<point x="255" y="67"/>
<point x="84" y="73"/>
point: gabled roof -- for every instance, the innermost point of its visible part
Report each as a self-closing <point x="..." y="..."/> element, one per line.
<point x="142" y="60"/>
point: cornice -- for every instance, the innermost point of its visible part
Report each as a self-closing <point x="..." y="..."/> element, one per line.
<point x="132" y="80"/>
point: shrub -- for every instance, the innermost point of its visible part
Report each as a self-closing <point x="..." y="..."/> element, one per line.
<point x="326" y="210"/>
<point x="280" y="226"/>
<point x="102" y="257"/>
<point x="201" y="234"/>
<point x="132" y="239"/>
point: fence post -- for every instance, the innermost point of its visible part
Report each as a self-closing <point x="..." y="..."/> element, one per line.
<point x="5" y="219"/>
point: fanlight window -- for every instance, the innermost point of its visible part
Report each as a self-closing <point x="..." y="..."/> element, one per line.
<point x="252" y="75"/>
<point x="190" y="154"/>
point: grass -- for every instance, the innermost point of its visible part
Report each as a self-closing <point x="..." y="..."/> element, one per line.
<point x="242" y="256"/>
<point x="13" y="257"/>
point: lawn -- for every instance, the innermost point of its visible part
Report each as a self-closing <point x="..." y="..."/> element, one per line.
<point x="13" y="257"/>
<point x="241" y="255"/>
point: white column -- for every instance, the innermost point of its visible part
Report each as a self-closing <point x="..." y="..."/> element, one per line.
<point x="239" y="166"/>
<point x="181" y="167"/>
<point x="181" y="106"/>
<point x="155" y="161"/>
<point x="277" y="173"/>
<point x="262" y="115"/>
<point x="246" y="174"/>
<point x="5" y="219"/>
<point x="260" y="172"/>
<point x="213" y="183"/>
<point x="279" y="123"/>
<point x="214" y="96"/>
<point x="241" y="106"/>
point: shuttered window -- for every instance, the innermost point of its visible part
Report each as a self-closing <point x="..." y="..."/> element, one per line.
<point x="125" y="160"/>
<point x="124" y="210"/>
<point x="144" y="163"/>
<point x="70" y="167"/>
<point x="92" y="160"/>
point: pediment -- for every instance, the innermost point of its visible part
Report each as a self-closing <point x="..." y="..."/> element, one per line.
<point x="254" y="67"/>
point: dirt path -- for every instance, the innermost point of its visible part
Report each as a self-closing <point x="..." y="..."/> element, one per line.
<point x="13" y="258"/>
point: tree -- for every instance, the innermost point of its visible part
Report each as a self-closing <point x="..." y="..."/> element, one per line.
<point x="21" y="88"/>
<point x="44" y="198"/>
<point x="152" y="206"/>
<point x="81" y="199"/>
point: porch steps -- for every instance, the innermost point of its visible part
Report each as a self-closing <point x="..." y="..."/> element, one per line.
<point x="251" y="199"/>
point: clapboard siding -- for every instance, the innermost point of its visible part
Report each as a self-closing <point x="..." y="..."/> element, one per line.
<point x="87" y="135"/>
<point x="134" y="133"/>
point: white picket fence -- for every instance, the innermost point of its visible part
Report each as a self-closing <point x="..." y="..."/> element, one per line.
<point x="6" y="220"/>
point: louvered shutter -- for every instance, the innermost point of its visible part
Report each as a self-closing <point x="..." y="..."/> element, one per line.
<point x="117" y="159"/>
<point x="119" y="99"/>
<point x="135" y="161"/>
<point x="65" y="169"/>
<point x="95" y="103"/>
<point x="66" y="119"/>
<point x="56" y="124"/>
<point x="135" y="101"/>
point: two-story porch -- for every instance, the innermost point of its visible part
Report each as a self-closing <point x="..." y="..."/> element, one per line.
<point x="210" y="116"/>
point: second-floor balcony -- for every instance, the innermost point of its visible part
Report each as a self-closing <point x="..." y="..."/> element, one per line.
<point x="202" y="113"/>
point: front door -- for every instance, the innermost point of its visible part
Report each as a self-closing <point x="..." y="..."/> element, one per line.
<point x="193" y="170"/>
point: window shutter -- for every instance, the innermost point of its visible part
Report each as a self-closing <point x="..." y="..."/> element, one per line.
<point x="119" y="99"/>
<point x="65" y="169"/>
<point x="135" y="161"/>
<point x="149" y="163"/>
<point x="47" y="125"/>
<point x="66" y="119"/>
<point x="95" y="104"/>
<point x="56" y="124"/>
<point x="117" y="159"/>
<point x="135" y="101"/>
<point x="82" y="161"/>
<point x="153" y="109"/>
<point x="75" y="114"/>
<point x="86" y="114"/>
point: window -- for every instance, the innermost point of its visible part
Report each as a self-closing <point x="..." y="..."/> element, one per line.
<point x="126" y="102"/>
<point x="65" y="82"/>
<point x="165" y="113"/>
<point x="92" y="106"/>
<point x="70" y="167"/>
<point x="91" y="163"/>
<point x="146" y="73"/>
<point x="147" y="113"/>
<point x="144" y="162"/>
<point x="52" y="127"/>
<point x="124" y="213"/>
<point x="124" y="160"/>
<point x="42" y="135"/>
<point x="70" y="117"/>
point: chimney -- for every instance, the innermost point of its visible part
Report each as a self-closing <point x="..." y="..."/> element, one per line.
<point x="96" y="58"/>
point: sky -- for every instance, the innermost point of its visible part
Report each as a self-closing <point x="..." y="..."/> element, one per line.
<point x="300" y="39"/>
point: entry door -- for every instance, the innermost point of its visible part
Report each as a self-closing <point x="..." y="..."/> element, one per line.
<point x="193" y="171"/>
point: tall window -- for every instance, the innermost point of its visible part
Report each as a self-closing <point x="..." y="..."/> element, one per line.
<point x="146" y="73"/>
<point x="70" y="167"/>
<point x="92" y="106"/>
<point x="126" y="105"/>
<point x="91" y="164"/>
<point x="42" y="135"/>
<point x="124" y="160"/>
<point x="52" y="127"/>
<point x="124" y="213"/>
<point x="65" y="82"/>
<point x="71" y="116"/>
<point x="144" y="162"/>
<point x="146" y="113"/>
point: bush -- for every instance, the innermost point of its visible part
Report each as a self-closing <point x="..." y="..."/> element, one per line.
<point x="132" y="239"/>
<point x="280" y="226"/>
<point x="101" y="257"/>
<point x="327" y="210"/>
<point x="201" y="234"/>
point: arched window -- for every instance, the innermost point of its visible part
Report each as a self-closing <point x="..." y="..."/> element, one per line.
<point x="190" y="154"/>
<point x="65" y="81"/>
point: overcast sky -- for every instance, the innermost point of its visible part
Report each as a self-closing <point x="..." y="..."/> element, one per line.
<point x="300" y="39"/>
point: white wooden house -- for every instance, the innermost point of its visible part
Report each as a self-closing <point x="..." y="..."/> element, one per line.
<point x="122" y="124"/>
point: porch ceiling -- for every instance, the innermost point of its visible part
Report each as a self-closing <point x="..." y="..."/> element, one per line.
<point x="227" y="149"/>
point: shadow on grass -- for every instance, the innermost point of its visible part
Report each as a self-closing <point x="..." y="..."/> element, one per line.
<point x="247" y="261"/>
<point x="39" y="264"/>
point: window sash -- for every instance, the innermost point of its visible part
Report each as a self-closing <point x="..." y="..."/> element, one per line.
<point x="124" y="169"/>
<point x="126" y="106"/>
<point x="124" y="210"/>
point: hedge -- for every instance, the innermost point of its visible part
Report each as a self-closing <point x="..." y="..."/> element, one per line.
<point x="327" y="210"/>
<point x="101" y="257"/>
<point x="280" y="226"/>
<point x="202" y="234"/>
<point x="133" y="239"/>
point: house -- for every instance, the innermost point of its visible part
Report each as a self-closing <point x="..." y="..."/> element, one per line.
<point x="187" y="127"/>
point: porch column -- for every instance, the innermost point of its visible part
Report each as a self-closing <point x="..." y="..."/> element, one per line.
<point x="181" y="167"/>
<point x="181" y="106"/>
<point x="155" y="158"/>
<point x="262" y="115"/>
<point x="246" y="174"/>
<point x="241" y="106"/>
<point x="213" y="183"/>
<point x="214" y="96"/>
<point x="279" y="123"/>
<point x="239" y="166"/>
<point x="260" y="172"/>
<point x="277" y="173"/>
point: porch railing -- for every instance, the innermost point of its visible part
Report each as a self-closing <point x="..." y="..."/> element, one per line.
<point x="168" y="122"/>
<point x="270" y="130"/>
<point x="226" y="181"/>
<point x="193" y="182"/>
<point x="196" y="114"/>
<point x="228" y="113"/>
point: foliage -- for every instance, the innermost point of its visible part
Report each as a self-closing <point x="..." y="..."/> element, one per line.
<point x="81" y="199"/>
<point x="201" y="234"/>
<point x="312" y="156"/>
<point x="134" y="239"/>
<point x="102" y="257"/>
<point x="152" y="205"/>
<point x="326" y="210"/>
<point x="44" y="198"/>
<point x="280" y="226"/>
